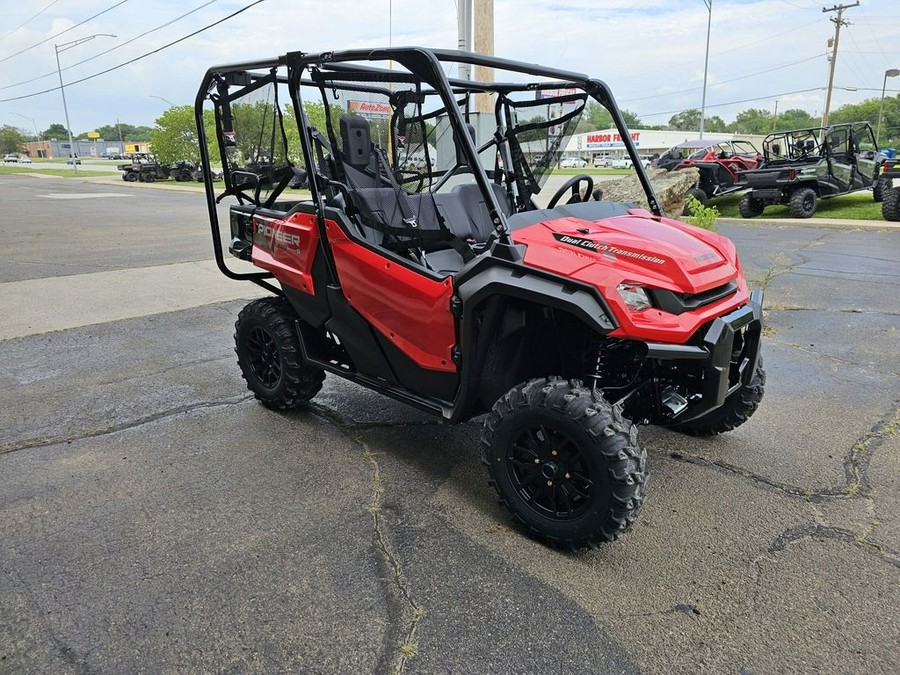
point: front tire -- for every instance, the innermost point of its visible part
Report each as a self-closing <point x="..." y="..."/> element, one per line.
<point x="750" y="206"/>
<point x="736" y="409"/>
<point x="697" y="194"/>
<point x="565" y="462"/>
<point x="803" y="203"/>
<point x="268" y="351"/>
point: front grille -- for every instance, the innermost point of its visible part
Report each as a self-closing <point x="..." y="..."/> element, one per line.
<point x="679" y="303"/>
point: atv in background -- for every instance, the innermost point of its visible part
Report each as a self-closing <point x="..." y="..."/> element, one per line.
<point x="719" y="164"/>
<point x="442" y="284"/>
<point x="802" y="166"/>
<point x="890" y="189"/>
<point x="149" y="170"/>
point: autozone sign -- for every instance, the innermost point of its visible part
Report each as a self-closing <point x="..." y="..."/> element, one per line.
<point x="369" y="109"/>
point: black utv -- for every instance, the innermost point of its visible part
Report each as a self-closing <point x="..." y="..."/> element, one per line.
<point x="804" y="165"/>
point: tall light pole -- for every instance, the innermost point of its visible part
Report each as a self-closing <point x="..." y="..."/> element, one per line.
<point x="891" y="72"/>
<point x="38" y="136"/>
<point x="708" y="4"/>
<point x="61" y="48"/>
<point x="162" y="99"/>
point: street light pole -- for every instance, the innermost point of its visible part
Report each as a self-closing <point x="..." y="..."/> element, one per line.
<point x="891" y="72"/>
<point x="34" y="124"/>
<point x="61" y="48"/>
<point x="708" y="4"/>
<point x="161" y="99"/>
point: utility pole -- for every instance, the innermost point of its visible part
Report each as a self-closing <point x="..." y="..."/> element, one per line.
<point x="464" y="22"/>
<point x="483" y="17"/>
<point x="838" y="22"/>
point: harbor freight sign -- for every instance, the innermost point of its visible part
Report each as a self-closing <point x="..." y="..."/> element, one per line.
<point x="369" y="109"/>
<point x="610" y="140"/>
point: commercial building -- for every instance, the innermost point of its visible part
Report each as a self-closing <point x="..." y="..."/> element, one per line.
<point x="96" y="147"/>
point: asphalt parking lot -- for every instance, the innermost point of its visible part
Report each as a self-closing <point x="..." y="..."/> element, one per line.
<point x="154" y="518"/>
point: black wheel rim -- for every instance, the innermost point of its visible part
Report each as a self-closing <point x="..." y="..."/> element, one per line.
<point x="265" y="361"/>
<point x="809" y="202"/>
<point x="550" y="473"/>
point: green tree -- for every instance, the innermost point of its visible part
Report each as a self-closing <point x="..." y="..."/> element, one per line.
<point x="175" y="136"/>
<point x="596" y="117"/>
<point x="867" y="111"/>
<point x="752" y="121"/>
<point x="57" y="131"/>
<point x="714" y="124"/>
<point x="11" y="138"/>
<point x="795" y="118"/>
<point x="686" y="120"/>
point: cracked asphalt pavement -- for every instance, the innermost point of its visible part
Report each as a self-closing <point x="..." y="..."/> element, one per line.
<point x="155" y="518"/>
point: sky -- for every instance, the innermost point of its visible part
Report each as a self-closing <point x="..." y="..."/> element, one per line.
<point x="650" y="52"/>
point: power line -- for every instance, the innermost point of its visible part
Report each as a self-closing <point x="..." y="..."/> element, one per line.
<point x="734" y="79"/>
<point x="62" y="32"/>
<point x="137" y="58"/>
<point x="111" y="49"/>
<point x="5" y="35"/>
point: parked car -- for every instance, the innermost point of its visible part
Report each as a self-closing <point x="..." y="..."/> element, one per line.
<point x="572" y="163"/>
<point x="11" y="158"/>
<point x="25" y="159"/>
<point x="602" y="161"/>
<point x="73" y="160"/>
<point x="626" y="163"/>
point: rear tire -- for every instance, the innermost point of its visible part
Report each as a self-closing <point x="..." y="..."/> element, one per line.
<point x="269" y="355"/>
<point x="565" y="462"/>
<point x="736" y="410"/>
<point x="149" y="178"/>
<point x="890" y="207"/>
<point x="750" y="206"/>
<point x="130" y="176"/>
<point x="881" y="186"/>
<point x="803" y="203"/>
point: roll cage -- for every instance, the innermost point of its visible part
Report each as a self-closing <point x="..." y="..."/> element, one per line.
<point x="527" y="128"/>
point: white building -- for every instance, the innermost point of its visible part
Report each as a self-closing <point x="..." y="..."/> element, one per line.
<point x="608" y="142"/>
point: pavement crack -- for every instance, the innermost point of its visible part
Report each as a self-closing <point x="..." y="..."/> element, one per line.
<point x="121" y="426"/>
<point x="828" y="533"/>
<point x="407" y="648"/>
<point x="829" y="357"/>
<point x="856" y="465"/>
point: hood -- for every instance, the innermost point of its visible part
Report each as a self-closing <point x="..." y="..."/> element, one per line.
<point x="638" y="248"/>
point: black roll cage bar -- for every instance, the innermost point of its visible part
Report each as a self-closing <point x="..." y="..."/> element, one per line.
<point x="425" y="65"/>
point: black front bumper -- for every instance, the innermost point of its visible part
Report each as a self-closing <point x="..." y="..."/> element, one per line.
<point x="725" y="369"/>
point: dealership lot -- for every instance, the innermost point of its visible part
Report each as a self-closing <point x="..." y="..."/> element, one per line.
<point x="154" y="517"/>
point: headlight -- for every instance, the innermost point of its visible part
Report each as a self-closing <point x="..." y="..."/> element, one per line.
<point x="634" y="296"/>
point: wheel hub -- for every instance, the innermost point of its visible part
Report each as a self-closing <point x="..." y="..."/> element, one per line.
<point x="550" y="472"/>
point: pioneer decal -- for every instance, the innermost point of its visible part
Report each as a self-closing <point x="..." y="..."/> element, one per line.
<point x="275" y="235"/>
<point x="608" y="249"/>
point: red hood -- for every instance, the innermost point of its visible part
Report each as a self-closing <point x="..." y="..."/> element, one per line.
<point x="644" y="249"/>
<point x="639" y="247"/>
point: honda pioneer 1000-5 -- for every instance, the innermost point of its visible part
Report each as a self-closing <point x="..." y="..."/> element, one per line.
<point x="420" y="266"/>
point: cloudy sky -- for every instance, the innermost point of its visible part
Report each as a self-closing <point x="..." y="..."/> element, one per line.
<point x="649" y="51"/>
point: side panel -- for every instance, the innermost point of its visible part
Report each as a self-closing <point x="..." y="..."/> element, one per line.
<point x="287" y="248"/>
<point x="408" y="308"/>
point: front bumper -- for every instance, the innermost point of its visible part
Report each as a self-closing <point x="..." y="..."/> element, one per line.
<point x="729" y="352"/>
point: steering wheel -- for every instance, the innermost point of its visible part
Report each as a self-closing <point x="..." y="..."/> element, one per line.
<point x="576" y="194"/>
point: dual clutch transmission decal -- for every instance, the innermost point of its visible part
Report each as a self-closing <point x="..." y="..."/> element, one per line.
<point x="606" y="249"/>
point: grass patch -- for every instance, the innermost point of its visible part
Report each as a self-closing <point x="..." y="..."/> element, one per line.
<point x="856" y="206"/>
<point x="62" y="173"/>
